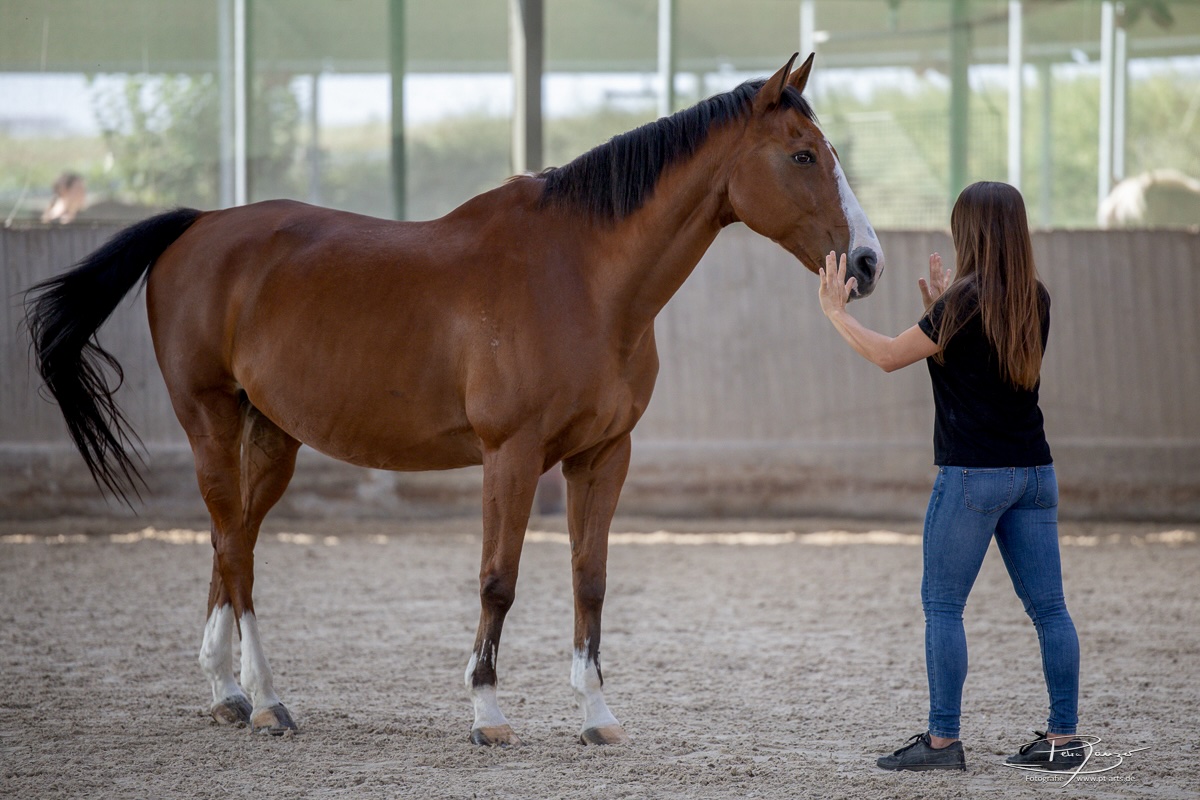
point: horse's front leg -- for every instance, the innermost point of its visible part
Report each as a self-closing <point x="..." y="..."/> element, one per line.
<point x="594" y="481"/>
<point x="510" y="475"/>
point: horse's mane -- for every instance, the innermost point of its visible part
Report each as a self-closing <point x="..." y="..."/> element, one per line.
<point x="613" y="180"/>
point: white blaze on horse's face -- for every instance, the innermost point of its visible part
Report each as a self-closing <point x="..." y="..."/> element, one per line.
<point x="864" y="257"/>
<point x="790" y="186"/>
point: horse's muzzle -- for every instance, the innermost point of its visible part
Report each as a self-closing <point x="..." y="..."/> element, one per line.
<point x="866" y="265"/>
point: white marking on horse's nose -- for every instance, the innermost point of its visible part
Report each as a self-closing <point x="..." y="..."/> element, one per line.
<point x="862" y="235"/>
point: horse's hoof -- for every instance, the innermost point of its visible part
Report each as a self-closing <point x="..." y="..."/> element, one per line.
<point x="604" y="734"/>
<point x="497" y="736"/>
<point x="274" y="720"/>
<point x="232" y="711"/>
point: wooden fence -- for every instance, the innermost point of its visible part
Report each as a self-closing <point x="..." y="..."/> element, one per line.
<point x="760" y="409"/>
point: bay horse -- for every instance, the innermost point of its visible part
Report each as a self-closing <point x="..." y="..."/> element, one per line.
<point x="515" y="332"/>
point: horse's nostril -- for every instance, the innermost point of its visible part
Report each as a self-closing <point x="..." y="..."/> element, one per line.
<point x="864" y="262"/>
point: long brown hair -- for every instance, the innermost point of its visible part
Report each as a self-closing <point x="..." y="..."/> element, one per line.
<point x="996" y="278"/>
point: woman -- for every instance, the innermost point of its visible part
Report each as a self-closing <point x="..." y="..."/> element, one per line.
<point x="982" y="336"/>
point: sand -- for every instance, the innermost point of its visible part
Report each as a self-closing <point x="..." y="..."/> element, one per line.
<point x="745" y="659"/>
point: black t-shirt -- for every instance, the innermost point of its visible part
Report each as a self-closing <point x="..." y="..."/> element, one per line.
<point x="982" y="420"/>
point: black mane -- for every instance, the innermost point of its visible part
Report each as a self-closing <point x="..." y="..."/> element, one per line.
<point x="613" y="180"/>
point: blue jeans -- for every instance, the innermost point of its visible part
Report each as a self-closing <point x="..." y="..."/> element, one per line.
<point x="1019" y="506"/>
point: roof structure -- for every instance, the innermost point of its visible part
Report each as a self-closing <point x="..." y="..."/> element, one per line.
<point x="351" y="36"/>
<point x="238" y="39"/>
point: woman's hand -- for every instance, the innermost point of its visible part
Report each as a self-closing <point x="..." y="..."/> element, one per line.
<point x="885" y="352"/>
<point x="939" y="279"/>
<point x="835" y="289"/>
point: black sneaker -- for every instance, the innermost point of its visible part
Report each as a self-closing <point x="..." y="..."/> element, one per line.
<point x="919" y="754"/>
<point x="1042" y="754"/>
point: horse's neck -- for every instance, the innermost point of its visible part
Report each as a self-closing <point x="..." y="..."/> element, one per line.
<point x="650" y="253"/>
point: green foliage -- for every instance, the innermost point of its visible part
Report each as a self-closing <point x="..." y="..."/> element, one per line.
<point x="164" y="140"/>
<point x="895" y="145"/>
<point x="161" y="148"/>
<point x="276" y="134"/>
<point x="569" y="137"/>
<point x="164" y="137"/>
<point x="29" y="167"/>
<point x="1164" y="125"/>
<point x="453" y="160"/>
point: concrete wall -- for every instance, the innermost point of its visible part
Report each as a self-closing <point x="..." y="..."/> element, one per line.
<point x="760" y="408"/>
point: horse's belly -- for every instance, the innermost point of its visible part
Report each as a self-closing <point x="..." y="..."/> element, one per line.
<point x="380" y="432"/>
<point x="446" y="451"/>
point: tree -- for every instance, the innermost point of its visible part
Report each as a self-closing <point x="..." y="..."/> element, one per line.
<point x="163" y="134"/>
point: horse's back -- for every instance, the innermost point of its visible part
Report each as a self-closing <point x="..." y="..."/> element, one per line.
<point x="326" y="320"/>
<point x="378" y="342"/>
<point x="241" y="269"/>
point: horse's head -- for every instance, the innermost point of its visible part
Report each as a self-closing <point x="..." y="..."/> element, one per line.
<point x="788" y="185"/>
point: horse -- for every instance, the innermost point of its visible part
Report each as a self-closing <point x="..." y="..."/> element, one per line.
<point x="516" y="332"/>
<point x="1160" y="198"/>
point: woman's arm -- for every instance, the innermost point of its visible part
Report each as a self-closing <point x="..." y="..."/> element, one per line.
<point x="886" y="352"/>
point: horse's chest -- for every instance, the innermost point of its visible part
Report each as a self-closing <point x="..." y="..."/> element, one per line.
<point x="614" y="398"/>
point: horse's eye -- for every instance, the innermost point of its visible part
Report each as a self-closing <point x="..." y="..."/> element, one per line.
<point x="804" y="157"/>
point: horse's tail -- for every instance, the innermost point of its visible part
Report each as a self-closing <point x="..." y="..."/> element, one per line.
<point x="63" y="315"/>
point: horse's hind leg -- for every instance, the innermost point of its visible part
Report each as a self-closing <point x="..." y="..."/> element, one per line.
<point x="230" y="705"/>
<point x="243" y="465"/>
<point x="268" y="462"/>
<point x="594" y="481"/>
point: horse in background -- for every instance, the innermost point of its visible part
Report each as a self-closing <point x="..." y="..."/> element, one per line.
<point x="516" y="332"/>
<point x="1161" y="198"/>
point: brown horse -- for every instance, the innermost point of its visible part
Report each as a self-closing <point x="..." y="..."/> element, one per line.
<point x="515" y="332"/>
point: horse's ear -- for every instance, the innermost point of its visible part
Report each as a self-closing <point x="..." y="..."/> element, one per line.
<point x="799" y="79"/>
<point x="769" y="95"/>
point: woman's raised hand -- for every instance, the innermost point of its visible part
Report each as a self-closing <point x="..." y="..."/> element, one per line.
<point x="939" y="279"/>
<point x="835" y="289"/>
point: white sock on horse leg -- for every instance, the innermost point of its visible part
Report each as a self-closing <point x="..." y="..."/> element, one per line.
<point x="216" y="654"/>
<point x="483" y="698"/>
<point x="585" y="679"/>
<point x="256" y="670"/>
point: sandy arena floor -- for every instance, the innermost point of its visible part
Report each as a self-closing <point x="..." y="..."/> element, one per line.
<point x="775" y="664"/>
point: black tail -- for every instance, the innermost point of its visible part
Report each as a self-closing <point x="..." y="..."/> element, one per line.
<point x="63" y="315"/>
